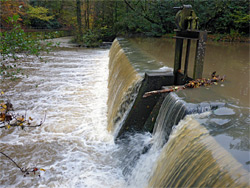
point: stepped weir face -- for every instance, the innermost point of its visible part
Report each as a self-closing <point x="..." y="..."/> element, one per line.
<point x="182" y="147"/>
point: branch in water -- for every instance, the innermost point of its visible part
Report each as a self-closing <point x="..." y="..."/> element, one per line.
<point x="8" y="119"/>
<point x="12" y="161"/>
<point x="25" y="171"/>
<point x="20" y="123"/>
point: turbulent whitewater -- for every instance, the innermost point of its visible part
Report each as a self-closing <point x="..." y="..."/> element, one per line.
<point x="73" y="145"/>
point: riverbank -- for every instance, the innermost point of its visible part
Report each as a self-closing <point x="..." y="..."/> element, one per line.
<point x="92" y="41"/>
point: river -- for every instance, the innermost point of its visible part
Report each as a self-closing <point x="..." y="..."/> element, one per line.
<point x="74" y="145"/>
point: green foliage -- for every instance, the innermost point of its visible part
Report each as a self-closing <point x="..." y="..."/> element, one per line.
<point x="241" y="20"/>
<point x="16" y="41"/>
<point x="39" y="13"/>
<point x="223" y="16"/>
<point x="62" y="10"/>
<point x="39" y="17"/>
<point x="91" y="39"/>
<point x="95" y="37"/>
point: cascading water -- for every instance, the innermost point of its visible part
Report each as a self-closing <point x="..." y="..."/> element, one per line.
<point x="184" y="154"/>
<point x="123" y="84"/>
<point x="171" y="112"/>
<point x="192" y="158"/>
<point x="173" y="109"/>
<point x="73" y="145"/>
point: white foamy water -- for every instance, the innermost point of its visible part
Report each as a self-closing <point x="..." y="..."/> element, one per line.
<point x="73" y="144"/>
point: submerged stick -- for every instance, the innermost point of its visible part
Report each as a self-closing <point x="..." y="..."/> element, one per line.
<point x="26" y="171"/>
<point x="12" y="161"/>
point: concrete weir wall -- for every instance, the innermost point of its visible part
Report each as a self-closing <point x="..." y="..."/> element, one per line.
<point x="127" y="67"/>
<point x="144" y="111"/>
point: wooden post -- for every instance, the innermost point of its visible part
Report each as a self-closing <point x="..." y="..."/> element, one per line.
<point x="200" y="55"/>
<point x="187" y="58"/>
<point x="178" y="56"/>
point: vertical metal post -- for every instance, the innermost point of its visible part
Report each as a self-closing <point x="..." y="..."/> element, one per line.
<point x="177" y="58"/>
<point x="187" y="58"/>
<point x="200" y="55"/>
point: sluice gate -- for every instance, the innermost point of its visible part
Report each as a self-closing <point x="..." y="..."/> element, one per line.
<point x="144" y="111"/>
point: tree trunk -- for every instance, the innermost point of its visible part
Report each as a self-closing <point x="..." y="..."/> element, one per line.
<point x="79" y="20"/>
<point x="88" y="13"/>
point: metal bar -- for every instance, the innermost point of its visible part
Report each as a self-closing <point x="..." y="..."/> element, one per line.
<point x="187" y="58"/>
<point x="176" y="37"/>
<point x="188" y="34"/>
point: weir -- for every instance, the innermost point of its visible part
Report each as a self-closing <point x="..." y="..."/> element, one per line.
<point x="122" y="82"/>
<point x="189" y="155"/>
<point x="143" y="112"/>
<point x="127" y="82"/>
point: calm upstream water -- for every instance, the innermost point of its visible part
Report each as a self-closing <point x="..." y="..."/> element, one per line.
<point x="229" y="59"/>
<point x="75" y="145"/>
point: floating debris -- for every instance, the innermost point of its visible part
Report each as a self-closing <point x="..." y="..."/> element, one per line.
<point x="191" y="84"/>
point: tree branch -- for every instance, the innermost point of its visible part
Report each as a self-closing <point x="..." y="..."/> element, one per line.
<point x="143" y="15"/>
<point x="23" y="123"/>
<point x="26" y="171"/>
<point x="12" y="161"/>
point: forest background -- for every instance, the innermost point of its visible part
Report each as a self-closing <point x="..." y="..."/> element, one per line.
<point x="95" y="21"/>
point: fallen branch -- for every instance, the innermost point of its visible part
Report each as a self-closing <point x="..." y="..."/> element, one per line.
<point x="19" y="122"/>
<point x="25" y="171"/>
<point x="191" y="84"/>
<point x="9" y="119"/>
